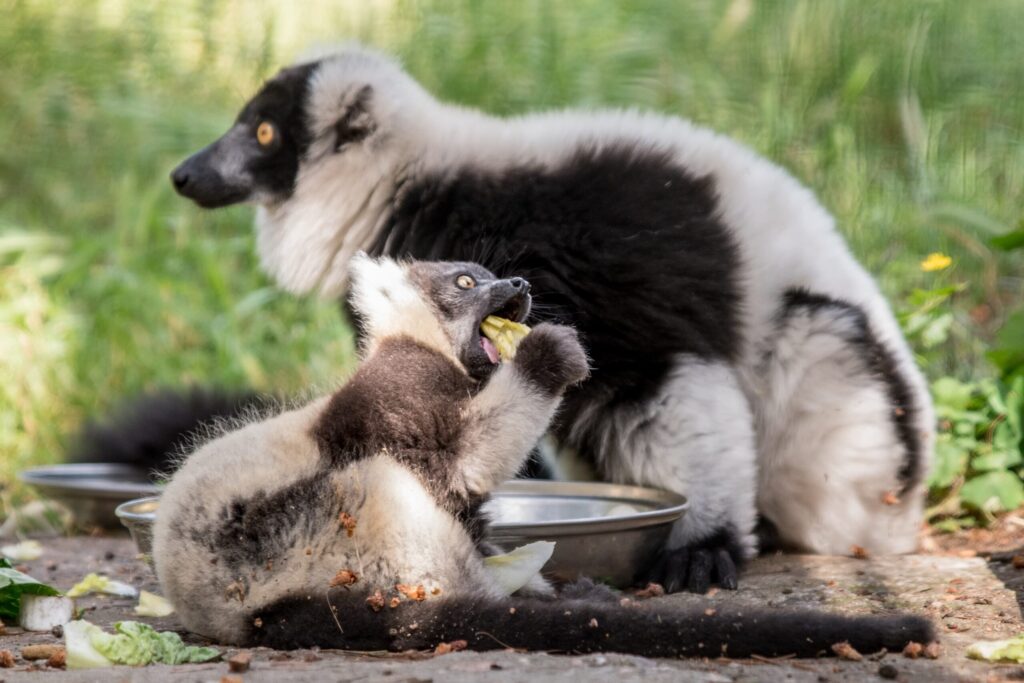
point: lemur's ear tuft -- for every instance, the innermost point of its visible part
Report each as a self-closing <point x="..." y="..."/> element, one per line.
<point x="356" y="122"/>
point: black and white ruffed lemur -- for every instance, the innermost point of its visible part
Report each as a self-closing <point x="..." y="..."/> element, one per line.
<point x="354" y="521"/>
<point x="741" y="356"/>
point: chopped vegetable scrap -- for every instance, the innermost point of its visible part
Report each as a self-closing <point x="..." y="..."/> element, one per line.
<point x="26" y="551"/>
<point x="515" y="569"/>
<point x="98" y="583"/>
<point x="505" y="334"/>
<point x="14" y="584"/>
<point x="152" y="605"/>
<point x="1009" y="650"/>
<point x="44" y="612"/>
<point x="133" y="643"/>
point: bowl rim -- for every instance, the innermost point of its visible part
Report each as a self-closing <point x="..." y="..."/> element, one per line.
<point x="87" y="479"/>
<point x="125" y="513"/>
<point x="673" y="507"/>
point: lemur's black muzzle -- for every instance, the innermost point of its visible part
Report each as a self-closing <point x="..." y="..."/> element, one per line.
<point x="216" y="175"/>
<point x="510" y="299"/>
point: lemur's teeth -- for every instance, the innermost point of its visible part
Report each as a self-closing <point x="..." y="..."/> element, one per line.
<point x="504" y="334"/>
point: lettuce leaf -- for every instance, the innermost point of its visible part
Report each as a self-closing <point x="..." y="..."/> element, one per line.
<point x="1010" y="650"/>
<point x="98" y="583"/>
<point x="12" y="585"/>
<point x="514" y="570"/>
<point x="135" y="643"/>
<point x="78" y="645"/>
<point x="132" y="643"/>
<point x="152" y="605"/>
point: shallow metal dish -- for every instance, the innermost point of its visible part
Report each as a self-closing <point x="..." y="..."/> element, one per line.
<point x="605" y="531"/>
<point x="91" y="491"/>
<point x="608" y="532"/>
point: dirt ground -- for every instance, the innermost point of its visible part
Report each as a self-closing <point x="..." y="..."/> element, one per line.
<point x="969" y="597"/>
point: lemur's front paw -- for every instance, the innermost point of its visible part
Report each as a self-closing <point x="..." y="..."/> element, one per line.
<point x="694" y="567"/>
<point x="552" y="358"/>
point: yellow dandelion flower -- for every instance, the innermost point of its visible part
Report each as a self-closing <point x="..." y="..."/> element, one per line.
<point x="935" y="262"/>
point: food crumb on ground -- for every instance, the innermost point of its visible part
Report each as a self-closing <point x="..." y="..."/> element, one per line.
<point x="651" y="590"/>
<point x="913" y="650"/>
<point x="58" y="659"/>
<point x="43" y="651"/>
<point x="239" y="663"/>
<point x="846" y="651"/>
<point x="454" y="646"/>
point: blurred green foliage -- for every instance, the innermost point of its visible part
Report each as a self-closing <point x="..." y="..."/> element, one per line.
<point x="904" y="117"/>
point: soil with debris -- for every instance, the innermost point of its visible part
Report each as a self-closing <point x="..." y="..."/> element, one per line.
<point x="969" y="599"/>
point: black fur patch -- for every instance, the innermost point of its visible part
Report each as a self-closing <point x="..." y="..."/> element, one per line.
<point x="882" y="365"/>
<point x="282" y="102"/>
<point x="619" y="241"/>
<point x="265" y="526"/>
<point x="355" y="124"/>
<point x="408" y="400"/>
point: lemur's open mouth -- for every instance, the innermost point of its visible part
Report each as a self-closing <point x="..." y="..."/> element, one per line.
<point x="515" y="308"/>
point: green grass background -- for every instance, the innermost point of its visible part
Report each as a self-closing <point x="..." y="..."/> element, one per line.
<point x="904" y="116"/>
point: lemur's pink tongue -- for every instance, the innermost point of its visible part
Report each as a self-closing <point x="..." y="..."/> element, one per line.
<point x="490" y="350"/>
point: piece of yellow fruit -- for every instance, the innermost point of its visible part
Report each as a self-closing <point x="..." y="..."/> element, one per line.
<point x="504" y="334"/>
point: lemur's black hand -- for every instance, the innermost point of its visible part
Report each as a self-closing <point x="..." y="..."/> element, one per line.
<point x="552" y="358"/>
<point x="696" y="566"/>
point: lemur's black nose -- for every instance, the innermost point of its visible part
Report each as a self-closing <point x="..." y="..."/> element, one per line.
<point x="519" y="283"/>
<point x="179" y="177"/>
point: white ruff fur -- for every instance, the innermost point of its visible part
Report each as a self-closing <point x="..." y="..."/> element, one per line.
<point x="786" y="241"/>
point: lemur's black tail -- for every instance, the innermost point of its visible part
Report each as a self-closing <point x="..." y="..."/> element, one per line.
<point x="148" y="431"/>
<point x="581" y="626"/>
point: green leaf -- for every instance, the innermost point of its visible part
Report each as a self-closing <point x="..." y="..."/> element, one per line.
<point x="952" y="393"/>
<point x="996" y="460"/>
<point x="936" y="331"/>
<point x="950" y="462"/>
<point x="13" y="584"/>
<point x="994" y="491"/>
<point x="1005" y="438"/>
<point x="1007" y="353"/>
<point x="1009" y="241"/>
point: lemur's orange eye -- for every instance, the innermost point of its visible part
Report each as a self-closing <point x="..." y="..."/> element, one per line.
<point x="265" y="133"/>
<point x="465" y="282"/>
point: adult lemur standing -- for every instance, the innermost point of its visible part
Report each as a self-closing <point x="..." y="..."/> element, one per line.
<point x="354" y="521"/>
<point x="740" y="354"/>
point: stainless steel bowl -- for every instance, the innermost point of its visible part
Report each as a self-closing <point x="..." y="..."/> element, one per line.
<point x="139" y="516"/>
<point x="91" y="491"/>
<point x="605" y="531"/>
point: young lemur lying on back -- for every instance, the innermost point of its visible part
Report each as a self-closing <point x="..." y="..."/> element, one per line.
<point x="354" y="522"/>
